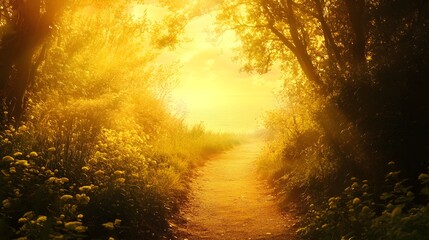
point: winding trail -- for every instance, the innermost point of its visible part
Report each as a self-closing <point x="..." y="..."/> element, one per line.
<point x="228" y="202"/>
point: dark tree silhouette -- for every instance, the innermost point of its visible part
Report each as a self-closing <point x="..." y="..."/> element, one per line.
<point x="26" y="24"/>
<point x="369" y="58"/>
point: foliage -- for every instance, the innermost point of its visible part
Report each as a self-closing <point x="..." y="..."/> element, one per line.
<point x="97" y="153"/>
<point x="296" y="159"/>
<point x="352" y="101"/>
<point x="355" y="215"/>
<point x="362" y="108"/>
<point x="26" y="29"/>
<point x="124" y="187"/>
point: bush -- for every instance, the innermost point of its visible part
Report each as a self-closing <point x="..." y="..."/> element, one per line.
<point x="127" y="185"/>
<point x="399" y="213"/>
<point x="99" y="154"/>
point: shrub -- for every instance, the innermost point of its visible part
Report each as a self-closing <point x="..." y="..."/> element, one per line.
<point x="357" y="213"/>
<point x="126" y="185"/>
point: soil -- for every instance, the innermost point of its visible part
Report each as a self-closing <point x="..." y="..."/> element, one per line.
<point x="229" y="202"/>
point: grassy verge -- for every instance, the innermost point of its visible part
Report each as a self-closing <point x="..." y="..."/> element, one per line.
<point x="110" y="184"/>
<point x="400" y="212"/>
<point x="361" y="210"/>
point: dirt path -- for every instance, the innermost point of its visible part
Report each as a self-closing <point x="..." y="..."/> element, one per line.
<point x="228" y="202"/>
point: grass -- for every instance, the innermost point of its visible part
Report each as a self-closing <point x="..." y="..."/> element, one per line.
<point x="115" y="184"/>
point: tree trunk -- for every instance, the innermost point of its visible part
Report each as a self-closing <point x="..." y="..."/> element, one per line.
<point x="303" y="56"/>
<point x="356" y="11"/>
<point x="29" y="28"/>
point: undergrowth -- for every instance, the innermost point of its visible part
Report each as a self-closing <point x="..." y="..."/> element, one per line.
<point x="113" y="184"/>
<point x="400" y="212"/>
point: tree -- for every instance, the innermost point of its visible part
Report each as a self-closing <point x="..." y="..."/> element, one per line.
<point x="368" y="59"/>
<point x="26" y="25"/>
<point x="311" y="30"/>
<point x="26" y="28"/>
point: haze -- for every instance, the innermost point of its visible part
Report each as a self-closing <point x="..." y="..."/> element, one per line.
<point x="212" y="90"/>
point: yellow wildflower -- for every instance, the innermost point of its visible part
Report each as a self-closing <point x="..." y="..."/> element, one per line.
<point x="64" y="180"/>
<point x="85" y="168"/>
<point x="23" y="163"/>
<point x="12" y="170"/>
<point x="72" y="225"/>
<point x="108" y="225"/>
<point x="85" y="188"/>
<point x="82" y="198"/>
<point x="23" y="128"/>
<point x="6" y="203"/>
<point x="51" y="149"/>
<point x="120" y="180"/>
<point x="135" y="175"/>
<point x="7" y="159"/>
<point x="52" y="179"/>
<point x="117" y="222"/>
<point x="81" y="229"/>
<point x="393" y="174"/>
<point x="356" y="201"/>
<point x="117" y="172"/>
<point x="17" y="154"/>
<point x="33" y="154"/>
<point x="66" y="197"/>
<point x="41" y="218"/>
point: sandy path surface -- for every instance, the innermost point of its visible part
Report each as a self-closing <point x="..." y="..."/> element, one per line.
<point x="228" y="202"/>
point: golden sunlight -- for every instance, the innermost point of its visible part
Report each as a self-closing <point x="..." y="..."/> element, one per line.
<point x="213" y="90"/>
<point x="129" y="119"/>
<point x="152" y="12"/>
<point x="137" y="11"/>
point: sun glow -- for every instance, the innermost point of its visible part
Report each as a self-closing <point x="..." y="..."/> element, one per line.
<point x="137" y="11"/>
<point x="212" y="89"/>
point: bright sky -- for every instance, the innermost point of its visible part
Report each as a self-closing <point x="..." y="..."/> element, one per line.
<point x="212" y="89"/>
